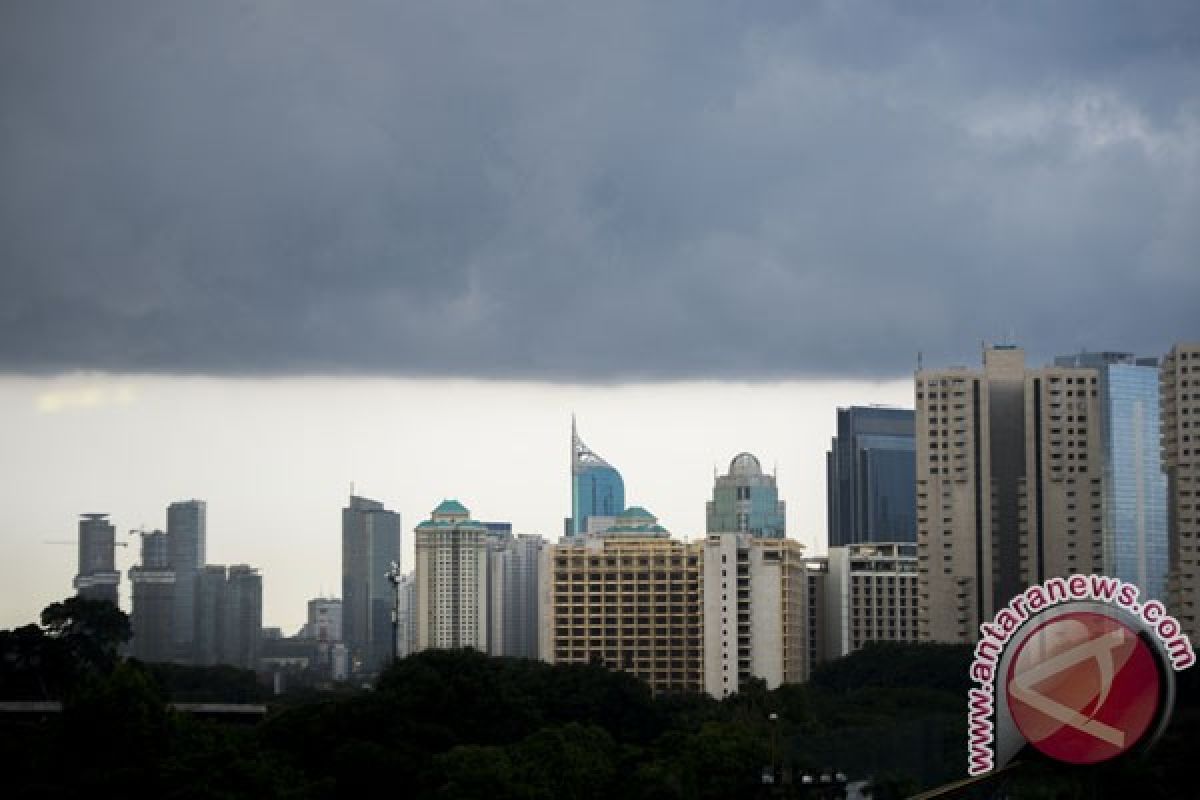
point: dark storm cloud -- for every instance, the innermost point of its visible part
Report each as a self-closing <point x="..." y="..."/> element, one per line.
<point x="595" y="192"/>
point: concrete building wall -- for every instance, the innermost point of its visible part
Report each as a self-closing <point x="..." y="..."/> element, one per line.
<point x="1180" y="426"/>
<point x="1009" y="481"/>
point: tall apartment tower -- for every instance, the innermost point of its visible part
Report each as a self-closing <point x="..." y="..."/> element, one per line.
<point x="1010" y="486"/>
<point x="370" y="543"/>
<point x="597" y="489"/>
<point x="1180" y="387"/>
<point x="187" y="532"/>
<point x="1135" y="488"/>
<point x="746" y="501"/>
<point x="153" y="615"/>
<point x="870" y="471"/>
<point x="209" y="615"/>
<point x="451" y="574"/>
<point x="514" y="565"/>
<point x="97" y="578"/>
<point x="755" y="612"/>
<point x="242" y="626"/>
<point x="630" y="599"/>
<point x="872" y="595"/>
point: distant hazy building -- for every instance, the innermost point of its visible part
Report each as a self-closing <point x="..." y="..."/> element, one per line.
<point x="627" y="600"/>
<point x="1010" y="486"/>
<point x="513" y="567"/>
<point x="242" y="630"/>
<point x="370" y="544"/>
<point x="406" y="617"/>
<point x="756" y="610"/>
<point x="871" y="595"/>
<point x="209" y="615"/>
<point x="1180" y="386"/>
<point x="97" y="578"/>
<point x="228" y="621"/>
<point x="746" y="501"/>
<point x="324" y="622"/>
<point x="187" y="533"/>
<point x="870" y="474"/>
<point x="153" y="614"/>
<point x="596" y="487"/>
<point x="1135" y="488"/>
<point x="451" y="574"/>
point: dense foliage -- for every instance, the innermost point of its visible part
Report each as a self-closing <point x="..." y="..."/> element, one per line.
<point x="457" y="724"/>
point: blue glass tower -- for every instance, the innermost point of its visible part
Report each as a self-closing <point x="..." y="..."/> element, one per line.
<point x="871" y="477"/>
<point x="746" y="501"/>
<point x="1135" y="488"/>
<point x="596" y="487"/>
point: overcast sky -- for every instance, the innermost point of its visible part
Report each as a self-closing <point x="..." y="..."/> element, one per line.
<point x="219" y="217"/>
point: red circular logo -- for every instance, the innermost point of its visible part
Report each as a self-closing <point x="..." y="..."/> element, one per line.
<point x="1083" y="688"/>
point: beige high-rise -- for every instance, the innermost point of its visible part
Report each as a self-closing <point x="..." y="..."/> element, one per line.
<point x="630" y="599"/>
<point x="872" y="589"/>
<point x="756" y="605"/>
<point x="1009" y="486"/>
<point x="1180" y="396"/>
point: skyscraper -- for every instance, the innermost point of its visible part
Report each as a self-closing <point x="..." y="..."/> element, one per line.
<point x="870" y="474"/>
<point x="756" y="612"/>
<point x="597" y="489"/>
<point x="153" y="615"/>
<point x="1009" y="483"/>
<point x="514" y="567"/>
<point x="452" y="579"/>
<point x="872" y="595"/>
<point x="746" y="501"/>
<point x="629" y="600"/>
<point x="186" y="541"/>
<point x="97" y="578"/>
<point x="1135" y="488"/>
<point x="1180" y="386"/>
<point x="242" y="627"/>
<point x="208" y="601"/>
<point x="370" y="543"/>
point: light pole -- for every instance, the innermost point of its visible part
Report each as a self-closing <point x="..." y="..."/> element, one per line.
<point x="774" y="720"/>
<point x="393" y="576"/>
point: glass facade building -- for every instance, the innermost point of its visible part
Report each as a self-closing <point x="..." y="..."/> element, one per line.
<point x="597" y="489"/>
<point x="871" y="477"/>
<point x="1135" y="487"/>
<point x="187" y="532"/>
<point x="370" y="543"/>
<point x="746" y="501"/>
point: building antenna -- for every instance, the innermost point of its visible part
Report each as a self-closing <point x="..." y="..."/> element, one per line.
<point x="920" y="361"/>
<point x="352" y="488"/>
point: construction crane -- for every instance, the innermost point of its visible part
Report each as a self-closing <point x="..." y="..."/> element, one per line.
<point x="68" y="541"/>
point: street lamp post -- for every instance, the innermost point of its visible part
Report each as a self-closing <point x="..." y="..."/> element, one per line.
<point x="393" y="576"/>
<point x="774" y="720"/>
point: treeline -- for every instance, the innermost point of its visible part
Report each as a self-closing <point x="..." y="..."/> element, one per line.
<point x="458" y="724"/>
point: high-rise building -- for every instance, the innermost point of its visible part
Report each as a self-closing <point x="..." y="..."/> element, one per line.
<point x="629" y="601"/>
<point x="324" y="619"/>
<point x="187" y="533"/>
<point x="755" y="612"/>
<point x="871" y="595"/>
<point x="97" y="578"/>
<point x="1180" y="387"/>
<point x="1135" y="488"/>
<point x="242" y="627"/>
<point x="513" y="569"/>
<point x="370" y="544"/>
<point x="208" y="636"/>
<point x="1009" y="483"/>
<point x="451" y="574"/>
<point x="870" y="474"/>
<point x="746" y="501"/>
<point x="406" y="616"/>
<point x="152" y="618"/>
<point x="597" y="489"/>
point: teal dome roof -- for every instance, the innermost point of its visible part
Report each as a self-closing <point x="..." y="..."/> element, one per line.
<point x="451" y="507"/>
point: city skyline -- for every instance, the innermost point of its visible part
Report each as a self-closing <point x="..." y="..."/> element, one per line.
<point x="251" y="429"/>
